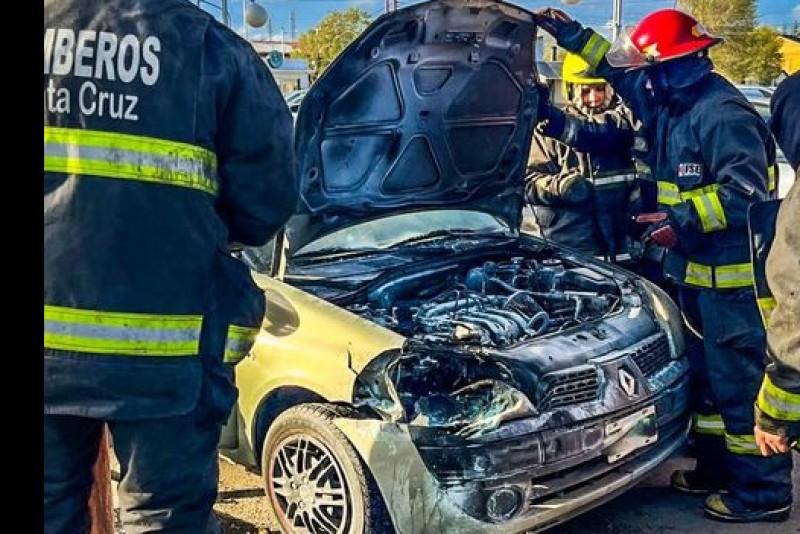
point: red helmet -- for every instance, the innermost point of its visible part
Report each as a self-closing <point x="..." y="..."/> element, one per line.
<point x="663" y="35"/>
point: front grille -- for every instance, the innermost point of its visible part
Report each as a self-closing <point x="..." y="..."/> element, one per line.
<point x="652" y="356"/>
<point x="567" y="388"/>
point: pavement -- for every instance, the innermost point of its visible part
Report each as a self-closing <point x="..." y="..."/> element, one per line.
<point x="651" y="507"/>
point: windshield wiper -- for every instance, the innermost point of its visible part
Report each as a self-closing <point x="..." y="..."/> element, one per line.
<point x="437" y="234"/>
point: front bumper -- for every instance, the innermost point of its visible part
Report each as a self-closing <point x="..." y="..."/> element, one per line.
<point x="422" y="502"/>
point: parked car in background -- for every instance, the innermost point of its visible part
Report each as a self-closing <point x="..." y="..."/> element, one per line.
<point x="756" y="91"/>
<point x="424" y="367"/>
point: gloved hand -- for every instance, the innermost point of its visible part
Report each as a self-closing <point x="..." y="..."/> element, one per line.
<point x="552" y="20"/>
<point x="574" y="189"/>
<point x="660" y="229"/>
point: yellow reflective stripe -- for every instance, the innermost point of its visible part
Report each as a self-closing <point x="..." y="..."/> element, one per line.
<point x="699" y="275"/>
<point x="668" y="193"/>
<point x="239" y="342"/>
<point x="123" y="156"/>
<point x="721" y="276"/>
<point x="772" y="178"/>
<point x="778" y="403"/>
<point x="765" y="306"/>
<point x="128" y="334"/>
<point x="708" y="424"/>
<point x="595" y="49"/>
<point x="742" y="444"/>
<point x="709" y="208"/>
<point x="734" y="275"/>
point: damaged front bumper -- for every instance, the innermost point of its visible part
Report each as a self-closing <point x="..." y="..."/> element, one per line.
<point x="514" y="480"/>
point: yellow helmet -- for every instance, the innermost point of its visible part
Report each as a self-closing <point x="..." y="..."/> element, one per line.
<point x="575" y="70"/>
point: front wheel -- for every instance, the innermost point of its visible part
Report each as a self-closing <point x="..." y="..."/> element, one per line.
<point x="315" y="480"/>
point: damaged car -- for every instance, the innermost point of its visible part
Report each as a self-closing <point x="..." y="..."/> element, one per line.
<point x="423" y="367"/>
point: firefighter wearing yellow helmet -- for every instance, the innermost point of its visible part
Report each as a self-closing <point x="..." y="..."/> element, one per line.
<point x="581" y="176"/>
<point x="583" y="89"/>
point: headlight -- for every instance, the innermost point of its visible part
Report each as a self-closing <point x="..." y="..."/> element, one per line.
<point x="666" y="314"/>
<point x="442" y="389"/>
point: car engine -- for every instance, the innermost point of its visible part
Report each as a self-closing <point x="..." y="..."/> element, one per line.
<point x="491" y="304"/>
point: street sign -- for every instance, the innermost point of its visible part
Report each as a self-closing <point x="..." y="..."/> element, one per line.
<point x="275" y="59"/>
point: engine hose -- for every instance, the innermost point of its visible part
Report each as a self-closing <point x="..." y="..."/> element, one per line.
<point x="542" y="319"/>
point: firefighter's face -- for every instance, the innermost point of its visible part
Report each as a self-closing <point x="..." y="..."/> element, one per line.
<point x="593" y="95"/>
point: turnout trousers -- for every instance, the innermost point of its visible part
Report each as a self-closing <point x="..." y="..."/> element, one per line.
<point x="727" y="369"/>
<point x="168" y="473"/>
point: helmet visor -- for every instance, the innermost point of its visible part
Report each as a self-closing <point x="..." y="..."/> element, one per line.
<point x="623" y="53"/>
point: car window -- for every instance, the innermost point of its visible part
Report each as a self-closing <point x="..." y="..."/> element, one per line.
<point x="388" y="231"/>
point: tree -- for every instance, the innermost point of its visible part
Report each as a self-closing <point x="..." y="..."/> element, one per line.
<point x="747" y="52"/>
<point x="732" y="20"/>
<point x="324" y="42"/>
<point x="765" y="58"/>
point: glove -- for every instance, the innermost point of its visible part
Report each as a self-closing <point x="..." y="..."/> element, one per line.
<point x="575" y="189"/>
<point x="552" y="20"/>
<point x="661" y="229"/>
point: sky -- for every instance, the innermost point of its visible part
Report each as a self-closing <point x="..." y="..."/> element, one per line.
<point x="595" y="13"/>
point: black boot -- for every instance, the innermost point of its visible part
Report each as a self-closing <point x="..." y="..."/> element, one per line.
<point x="691" y="481"/>
<point x="732" y="510"/>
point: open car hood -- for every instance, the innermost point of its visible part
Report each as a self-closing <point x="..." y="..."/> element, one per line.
<point x="431" y="107"/>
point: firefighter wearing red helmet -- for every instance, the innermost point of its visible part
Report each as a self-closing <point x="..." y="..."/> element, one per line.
<point x="712" y="157"/>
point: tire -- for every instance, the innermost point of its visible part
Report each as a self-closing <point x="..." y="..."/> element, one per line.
<point x="333" y="492"/>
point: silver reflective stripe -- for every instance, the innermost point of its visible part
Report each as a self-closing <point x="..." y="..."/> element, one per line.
<point x="742" y="444"/>
<point x="99" y="332"/>
<point x="616" y="179"/>
<point x="129" y="157"/>
<point x="736" y="275"/>
<point x="239" y="342"/>
<point x="786" y="408"/>
<point x="171" y="164"/>
<point x="130" y="334"/>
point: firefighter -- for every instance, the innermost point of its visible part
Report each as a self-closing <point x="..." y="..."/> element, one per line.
<point x="580" y="196"/>
<point x="778" y="404"/>
<point x="166" y="145"/>
<point x="712" y="156"/>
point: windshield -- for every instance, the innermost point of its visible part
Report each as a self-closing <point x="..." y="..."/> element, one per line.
<point x="389" y="231"/>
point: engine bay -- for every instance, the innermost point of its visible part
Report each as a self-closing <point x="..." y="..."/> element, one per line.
<point x="488" y="302"/>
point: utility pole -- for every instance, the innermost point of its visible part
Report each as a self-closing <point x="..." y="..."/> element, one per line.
<point x="386" y="6"/>
<point x="225" y="16"/>
<point x="293" y="26"/>
<point x="616" y="20"/>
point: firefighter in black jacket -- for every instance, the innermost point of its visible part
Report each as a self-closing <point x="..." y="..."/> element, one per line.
<point x="166" y="142"/>
<point x="580" y="196"/>
<point x="712" y="156"/>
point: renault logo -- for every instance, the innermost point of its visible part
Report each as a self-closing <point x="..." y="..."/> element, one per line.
<point x="627" y="382"/>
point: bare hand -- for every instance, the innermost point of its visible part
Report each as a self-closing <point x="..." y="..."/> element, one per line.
<point x="770" y="444"/>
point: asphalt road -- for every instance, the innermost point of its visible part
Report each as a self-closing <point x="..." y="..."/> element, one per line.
<point x="653" y="508"/>
<point x="649" y="508"/>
